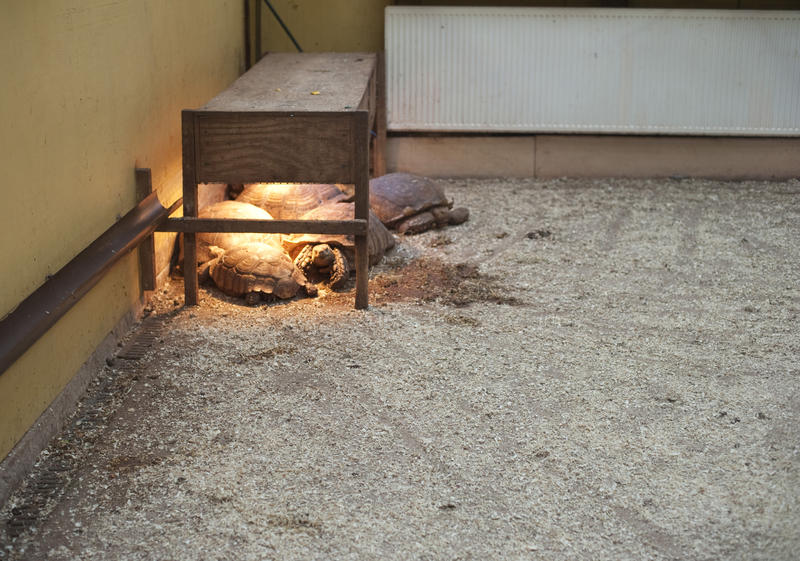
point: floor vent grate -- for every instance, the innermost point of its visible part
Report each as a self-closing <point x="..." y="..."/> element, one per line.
<point x="148" y="334"/>
<point x="50" y="478"/>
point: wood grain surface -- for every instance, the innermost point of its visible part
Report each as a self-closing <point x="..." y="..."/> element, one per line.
<point x="299" y="82"/>
<point x="253" y="147"/>
<point x="190" y="224"/>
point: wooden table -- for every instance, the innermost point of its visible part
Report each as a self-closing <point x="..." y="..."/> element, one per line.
<point x="305" y="117"/>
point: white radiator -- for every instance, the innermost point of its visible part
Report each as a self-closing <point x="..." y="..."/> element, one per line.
<point x="710" y="72"/>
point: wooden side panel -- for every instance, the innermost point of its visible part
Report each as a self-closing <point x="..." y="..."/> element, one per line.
<point x="299" y="83"/>
<point x="254" y="146"/>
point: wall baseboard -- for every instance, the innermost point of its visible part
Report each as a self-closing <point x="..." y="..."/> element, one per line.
<point x="548" y="156"/>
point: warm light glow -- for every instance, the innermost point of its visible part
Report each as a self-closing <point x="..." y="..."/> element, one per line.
<point x="279" y="185"/>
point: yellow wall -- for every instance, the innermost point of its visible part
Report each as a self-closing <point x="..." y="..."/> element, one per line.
<point x="324" y="25"/>
<point x="357" y="25"/>
<point x="91" y="88"/>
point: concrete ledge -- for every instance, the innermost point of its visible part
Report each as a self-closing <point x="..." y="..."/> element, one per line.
<point x="666" y="156"/>
<point x="547" y="156"/>
<point x="462" y="156"/>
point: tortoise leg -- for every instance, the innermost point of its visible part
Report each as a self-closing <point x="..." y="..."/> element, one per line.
<point x="204" y="271"/>
<point x="310" y="289"/>
<point x="252" y="298"/>
<point x="417" y="223"/>
<point x="285" y="289"/>
<point x="304" y="259"/>
<point x="340" y="269"/>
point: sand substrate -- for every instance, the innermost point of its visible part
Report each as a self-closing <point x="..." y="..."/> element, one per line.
<point x="584" y="370"/>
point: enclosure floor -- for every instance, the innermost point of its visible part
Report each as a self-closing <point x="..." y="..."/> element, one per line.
<point x="584" y="370"/>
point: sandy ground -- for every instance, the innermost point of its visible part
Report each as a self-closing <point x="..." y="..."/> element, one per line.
<point x="584" y="370"/>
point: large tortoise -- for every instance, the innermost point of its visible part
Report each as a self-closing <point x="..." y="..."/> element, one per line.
<point x="290" y="201"/>
<point x="258" y="270"/>
<point x="206" y="241"/>
<point x="412" y="204"/>
<point x="329" y="256"/>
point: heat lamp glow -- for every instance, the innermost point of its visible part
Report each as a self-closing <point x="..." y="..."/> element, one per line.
<point x="260" y="266"/>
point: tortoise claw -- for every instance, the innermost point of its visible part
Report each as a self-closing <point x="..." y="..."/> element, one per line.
<point x="304" y="259"/>
<point x="340" y="269"/>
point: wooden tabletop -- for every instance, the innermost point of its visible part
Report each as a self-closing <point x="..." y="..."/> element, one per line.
<point x="299" y="82"/>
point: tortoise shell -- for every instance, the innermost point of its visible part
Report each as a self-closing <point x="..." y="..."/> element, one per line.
<point x="289" y="201"/>
<point x="379" y="239"/>
<point x="225" y="241"/>
<point x="257" y="269"/>
<point x="396" y="196"/>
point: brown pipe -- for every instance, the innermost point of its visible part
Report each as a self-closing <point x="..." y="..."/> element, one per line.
<point x="23" y="326"/>
<point x="248" y="54"/>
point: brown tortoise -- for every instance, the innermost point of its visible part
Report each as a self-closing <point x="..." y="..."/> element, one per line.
<point x="290" y="201"/>
<point x="258" y="270"/>
<point x="330" y="256"/>
<point x="412" y="204"/>
<point x="206" y="241"/>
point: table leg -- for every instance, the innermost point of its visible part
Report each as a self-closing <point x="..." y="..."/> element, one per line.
<point x="189" y="208"/>
<point x="362" y="273"/>
<point x="379" y="154"/>
<point x="361" y="135"/>
<point x="147" y="249"/>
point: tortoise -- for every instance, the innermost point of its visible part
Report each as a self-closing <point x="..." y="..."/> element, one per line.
<point x="329" y="256"/>
<point x="412" y="204"/>
<point x="289" y="201"/>
<point x="258" y="270"/>
<point x="224" y="241"/>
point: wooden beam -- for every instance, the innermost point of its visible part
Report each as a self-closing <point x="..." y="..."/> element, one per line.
<point x="147" y="249"/>
<point x="240" y="225"/>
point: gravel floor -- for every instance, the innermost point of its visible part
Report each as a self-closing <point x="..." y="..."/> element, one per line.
<point x="584" y="370"/>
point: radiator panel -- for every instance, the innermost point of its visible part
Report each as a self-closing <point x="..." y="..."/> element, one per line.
<point x="526" y="70"/>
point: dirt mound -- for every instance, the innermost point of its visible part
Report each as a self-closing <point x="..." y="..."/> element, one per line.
<point x="430" y="279"/>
